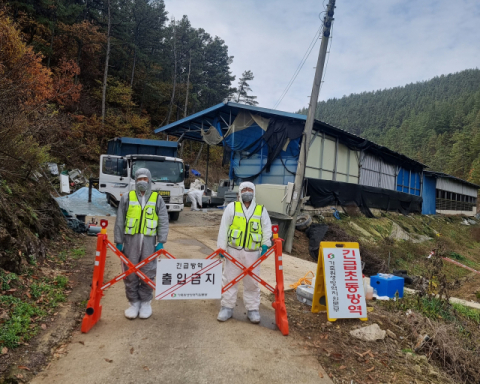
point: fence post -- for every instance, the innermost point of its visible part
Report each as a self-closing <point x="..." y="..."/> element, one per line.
<point x="94" y="309"/>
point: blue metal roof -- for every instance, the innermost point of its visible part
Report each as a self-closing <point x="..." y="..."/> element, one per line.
<point x="190" y="126"/>
<point x="225" y="113"/>
<point x="154" y="143"/>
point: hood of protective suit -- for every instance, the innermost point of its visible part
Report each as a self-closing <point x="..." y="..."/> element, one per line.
<point x="246" y="184"/>
<point x="142" y="172"/>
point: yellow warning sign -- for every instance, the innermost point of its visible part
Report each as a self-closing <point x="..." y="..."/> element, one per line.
<point x="338" y="283"/>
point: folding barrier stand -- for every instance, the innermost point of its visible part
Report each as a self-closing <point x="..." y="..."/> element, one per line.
<point x="94" y="308"/>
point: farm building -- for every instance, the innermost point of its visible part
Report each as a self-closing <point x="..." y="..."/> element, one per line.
<point x="263" y="145"/>
<point x="447" y="194"/>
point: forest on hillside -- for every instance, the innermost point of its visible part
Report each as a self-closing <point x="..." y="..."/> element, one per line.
<point x="76" y="73"/>
<point x="436" y="122"/>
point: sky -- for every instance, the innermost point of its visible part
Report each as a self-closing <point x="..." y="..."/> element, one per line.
<point x="376" y="44"/>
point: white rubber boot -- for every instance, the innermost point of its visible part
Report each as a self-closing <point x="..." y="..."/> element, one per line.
<point x="145" y="310"/>
<point x="132" y="311"/>
<point x="253" y="316"/>
<point x="225" y="314"/>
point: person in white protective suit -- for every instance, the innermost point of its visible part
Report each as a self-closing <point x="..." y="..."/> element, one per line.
<point x="195" y="194"/>
<point x="245" y="233"/>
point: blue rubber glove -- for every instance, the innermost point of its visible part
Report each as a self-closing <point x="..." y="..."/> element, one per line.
<point x="158" y="247"/>
<point x="264" y="249"/>
<point x="221" y="256"/>
<point x="119" y="247"/>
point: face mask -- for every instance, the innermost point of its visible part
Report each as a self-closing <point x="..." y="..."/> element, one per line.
<point x="247" y="197"/>
<point x="142" y="186"/>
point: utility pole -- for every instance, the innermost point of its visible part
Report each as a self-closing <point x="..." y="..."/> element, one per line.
<point x="107" y="58"/>
<point x="307" y="132"/>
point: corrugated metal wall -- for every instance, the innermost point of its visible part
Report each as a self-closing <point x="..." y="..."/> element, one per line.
<point x="428" y="195"/>
<point x="277" y="175"/>
<point x="375" y="172"/>
<point x="328" y="159"/>
<point x="409" y="182"/>
<point x="455" y="186"/>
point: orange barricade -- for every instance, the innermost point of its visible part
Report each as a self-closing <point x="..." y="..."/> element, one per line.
<point x="94" y="308"/>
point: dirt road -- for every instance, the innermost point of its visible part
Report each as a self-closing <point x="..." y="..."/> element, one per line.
<point x="183" y="342"/>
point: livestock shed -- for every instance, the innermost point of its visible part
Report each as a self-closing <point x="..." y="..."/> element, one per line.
<point x="449" y="195"/>
<point x="262" y="145"/>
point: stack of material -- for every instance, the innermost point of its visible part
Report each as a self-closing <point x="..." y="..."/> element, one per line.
<point x="230" y="196"/>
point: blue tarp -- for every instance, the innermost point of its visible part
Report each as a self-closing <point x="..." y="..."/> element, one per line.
<point x="250" y="157"/>
<point x="238" y="141"/>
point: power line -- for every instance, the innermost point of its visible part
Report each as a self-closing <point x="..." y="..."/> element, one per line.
<point x="300" y="66"/>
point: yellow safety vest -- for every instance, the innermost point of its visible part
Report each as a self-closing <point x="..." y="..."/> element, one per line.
<point x="138" y="221"/>
<point x="244" y="234"/>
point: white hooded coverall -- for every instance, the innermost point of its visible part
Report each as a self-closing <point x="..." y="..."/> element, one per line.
<point x="195" y="194"/>
<point x="251" y="290"/>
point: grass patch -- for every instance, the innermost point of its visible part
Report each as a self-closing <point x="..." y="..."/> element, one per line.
<point x="6" y="279"/>
<point x="50" y="291"/>
<point x="78" y="253"/>
<point x="62" y="256"/>
<point x="25" y="311"/>
<point x="431" y="307"/>
<point x="436" y="308"/>
<point x="5" y="187"/>
<point x="462" y="259"/>
<point x="467" y="312"/>
<point x="20" y="327"/>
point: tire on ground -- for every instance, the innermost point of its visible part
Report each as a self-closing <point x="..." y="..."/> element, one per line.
<point x="303" y="222"/>
<point x="174" y="216"/>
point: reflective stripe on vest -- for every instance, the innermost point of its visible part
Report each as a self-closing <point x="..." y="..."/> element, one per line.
<point x="243" y="234"/>
<point x="138" y="221"/>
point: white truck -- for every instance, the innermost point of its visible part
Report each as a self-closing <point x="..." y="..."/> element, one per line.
<point x="126" y="155"/>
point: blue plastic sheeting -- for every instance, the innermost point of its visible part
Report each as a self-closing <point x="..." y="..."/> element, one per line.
<point x="408" y="182"/>
<point x="238" y="141"/>
<point x="77" y="203"/>
<point x="429" y="195"/>
<point x="282" y="170"/>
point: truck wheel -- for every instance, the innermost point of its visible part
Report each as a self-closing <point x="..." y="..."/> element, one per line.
<point x="303" y="222"/>
<point x="174" y="216"/>
<point x="112" y="202"/>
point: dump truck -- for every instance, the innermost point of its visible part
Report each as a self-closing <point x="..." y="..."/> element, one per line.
<point x="125" y="155"/>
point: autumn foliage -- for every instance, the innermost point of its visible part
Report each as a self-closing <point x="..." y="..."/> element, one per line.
<point x="65" y="91"/>
<point x="23" y="78"/>
<point x="60" y="102"/>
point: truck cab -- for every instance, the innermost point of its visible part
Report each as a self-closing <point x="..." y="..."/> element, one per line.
<point x="117" y="177"/>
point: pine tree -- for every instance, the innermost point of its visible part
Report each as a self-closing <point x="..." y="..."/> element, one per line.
<point x="243" y="89"/>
